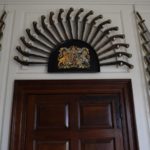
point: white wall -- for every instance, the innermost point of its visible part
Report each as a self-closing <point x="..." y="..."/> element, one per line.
<point x="144" y="10"/>
<point x="21" y="16"/>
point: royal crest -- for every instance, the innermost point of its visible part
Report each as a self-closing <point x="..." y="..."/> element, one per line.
<point x="73" y="57"/>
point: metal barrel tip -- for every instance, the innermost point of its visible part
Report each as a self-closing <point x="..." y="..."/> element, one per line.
<point x="81" y="9"/>
<point x="91" y="12"/>
<point x="61" y="10"/>
<point x="71" y="8"/>
<point x="131" y="66"/>
<point x="43" y="17"/>
<point x="52" y="13"/>
<point x="130" y="55"/>
<point x="34" y="23"/>
<point x="22" y="38"/>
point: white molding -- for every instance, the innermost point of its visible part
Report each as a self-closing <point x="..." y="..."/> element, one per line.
<point x="60" y="2"/>
<point x="143" y="10"/>
<point x="4" y="62"/>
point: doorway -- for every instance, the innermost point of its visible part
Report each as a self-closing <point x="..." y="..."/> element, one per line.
<point x="73" y="115"/>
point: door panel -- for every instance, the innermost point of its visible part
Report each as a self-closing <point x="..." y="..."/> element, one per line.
<point x="106" y="144"/>
<point x="52" y="145"/>
<point x="62" y="115"/>
<point x="96" y="111"/>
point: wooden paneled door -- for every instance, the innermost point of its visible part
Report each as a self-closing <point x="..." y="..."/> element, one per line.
<point x="73" y="115"/>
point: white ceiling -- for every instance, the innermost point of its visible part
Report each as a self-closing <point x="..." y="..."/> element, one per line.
<point x="71" y="1"/>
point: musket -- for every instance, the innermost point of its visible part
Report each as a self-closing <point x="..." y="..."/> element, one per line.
<point x="147" y="59"/>
<point x="119" y="63"/>
<point x="111" y="39"/>
<point x="29" y="54"/>
<point x="141" y="22"/>
<point x="146" y="47"/>
<point x="139" y="16"/>
<point x="83" y="23"/>
<point x="40" y="34"/>
<point x="68" y="22"/>
<point x="2" y="24"/>
<point x="27" y="63"/>
<point x="3" y="16"/>
<point x="98" y="28"/>
<point x="46" y="29"/>
<point x="2" y="20"/>
<point x="34" y="39"/>
<point x="59" y="18"/>
<point x="142" y="25"/>
<point x="76" y="20"/>
<point x="30" y="46"/>
<point x="148" y="73"/>
<point x="1" y="35"/>
<point x="113" y="47"/>
<point x="104" y="33"/>
<point x="148" y="68"/>
<point x="54" y="28"/>
<point x="117" y="54"/>
<point x="146" y="36"/>
<point x="90" y="25"/>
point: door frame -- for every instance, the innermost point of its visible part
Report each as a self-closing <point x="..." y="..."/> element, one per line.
<point x="123" y="87"/>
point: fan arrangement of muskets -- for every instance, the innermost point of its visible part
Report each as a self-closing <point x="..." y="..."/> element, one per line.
<point x="2" y="25"/>
<point x="73" y="25"/>
<point x="145" y="43"/>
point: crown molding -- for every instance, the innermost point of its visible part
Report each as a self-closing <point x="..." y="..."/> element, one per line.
<point x="74" y="2"/>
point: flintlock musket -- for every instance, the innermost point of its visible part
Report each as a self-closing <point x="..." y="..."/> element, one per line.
<point x="112" y="48"/>
<point x="117" y="54"/>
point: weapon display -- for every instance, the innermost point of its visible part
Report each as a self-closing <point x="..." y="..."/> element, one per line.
<point x="147" y="59"/>
<point x="90" y="26"/>
<point x="119" y="63"/>
<point x="53" y="27"/>
<point x="68" y="21"/>
<point x="104" y="33"/>
<point x="62" y="28"/>
<point x="114" y="46"/>
<point x="2" y="17"/>
<point x="145" y="43"/>
<point x="76" y="20"/>
<point x="146" y="47"/>
<point x="99" y="28"/>
<point x="111" y="39"/>
<point x="30" y="46"/>
<point x="117" y="54"/>
<point x="75" y="40"/>
<point x="40" y="34"/>
<point x="34" y="39"/>
<point x="29" y="54"/>
<point x="2" y="25"/>
<point x="27" y="63"/>
<point x="142" y="25"/>
<point x="148" y="70"/>
<point x="84" y="20"/>
<point x="46" y="29"/>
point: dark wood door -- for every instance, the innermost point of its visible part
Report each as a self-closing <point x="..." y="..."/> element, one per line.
<point x="73" y="115"/>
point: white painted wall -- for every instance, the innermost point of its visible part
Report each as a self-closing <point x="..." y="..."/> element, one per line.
<point x="21" y="16"/>
<point x="144" y="10"/>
